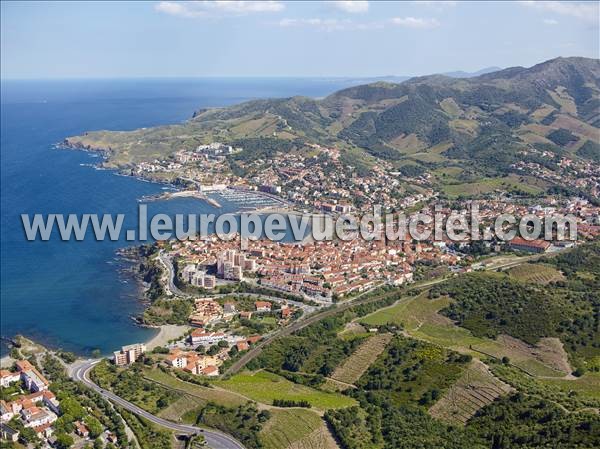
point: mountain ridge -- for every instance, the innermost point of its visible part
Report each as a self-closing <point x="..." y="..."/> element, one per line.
<point x="484" y="124"/>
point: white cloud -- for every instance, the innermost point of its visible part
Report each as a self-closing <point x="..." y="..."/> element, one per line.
<point x="217" y="8"/>
<point x="353" y="7"/>
<point x="587" y="11"/>
<point x="330" y="24"/>
<point x="322" y="24"/>
<point x="550" y="22"/>
<point x="415" y="22"/>
<point x="175" y="9"/>
<point x="347" y="24"/>
<point x="436" y="4"/>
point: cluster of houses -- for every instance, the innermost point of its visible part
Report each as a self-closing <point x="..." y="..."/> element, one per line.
<point x="203" y="364"/>
<point x="325" y="182"/>
<point x="208" y="311"/>
<point x="313" y="270"/>
<point x="37" y="410"/>
<point x="194" y="363"/>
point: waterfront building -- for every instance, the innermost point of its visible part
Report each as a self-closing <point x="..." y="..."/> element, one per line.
<point x="128" y="354"/>
<point x="6" y="378"/>
<point x="33" y="379"/>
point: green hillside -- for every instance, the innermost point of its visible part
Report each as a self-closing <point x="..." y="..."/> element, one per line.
<point x="481" y="124"/>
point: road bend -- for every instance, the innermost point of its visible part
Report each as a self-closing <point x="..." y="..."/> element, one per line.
<point x="214" y="439"/>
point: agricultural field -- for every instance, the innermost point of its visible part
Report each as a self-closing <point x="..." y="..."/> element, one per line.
<point x="413" y="372"/>
<point x="587" y="385"/>
<point x="197" y="392"/>
<point x="546" y="359"/>
<point x="420" y="319"/>
<point x="352" y="330"/>
<point x="355" y="365"/>
<point x="476" y="388"/>
<point x="180" y="407"/>
<point x="263" y="386"/>
<point x="537" y="273"/>
<point x="296" y="429"/>
<point x="573" y="394"/>
<point x="525" y="184"/>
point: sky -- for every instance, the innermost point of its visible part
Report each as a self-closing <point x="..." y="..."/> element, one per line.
<point x="292" y="39"/>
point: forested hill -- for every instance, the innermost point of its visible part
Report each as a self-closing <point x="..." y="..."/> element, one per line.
<point x="485" y="122"/>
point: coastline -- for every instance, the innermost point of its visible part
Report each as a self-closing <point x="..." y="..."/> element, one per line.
<point x="6" y="361"/>
<point x="166" y="332"/>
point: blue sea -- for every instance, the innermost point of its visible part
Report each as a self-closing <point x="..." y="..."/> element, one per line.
<point x="75" y="295"/>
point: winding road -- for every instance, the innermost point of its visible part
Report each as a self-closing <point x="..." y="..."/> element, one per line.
<point x="79" y="371"/>
<point x="172" y="289"/>
<point x="217" y="440"/>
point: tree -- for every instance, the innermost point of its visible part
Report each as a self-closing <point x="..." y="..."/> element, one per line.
<point x="64" y="441"/>
<point x="28" y="435"/>
<point x="70" y="406"/>
<point x="213" y="350"/>
<point x="93" y="426"/>
<point x="160" y="350"/>
<point x="65" y="423"/>
<point x="223" y="344"/>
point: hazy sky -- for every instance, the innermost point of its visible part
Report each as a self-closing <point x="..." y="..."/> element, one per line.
<point x="275" y="38"/>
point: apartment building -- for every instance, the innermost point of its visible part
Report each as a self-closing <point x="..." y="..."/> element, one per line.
<point x="128" y="354"/>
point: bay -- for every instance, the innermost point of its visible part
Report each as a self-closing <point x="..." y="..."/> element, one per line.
<point x="73" y="295"/>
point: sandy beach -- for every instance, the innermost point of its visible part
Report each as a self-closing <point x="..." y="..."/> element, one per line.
<point x="167" y="332"/>
<point x="6" y="362"/>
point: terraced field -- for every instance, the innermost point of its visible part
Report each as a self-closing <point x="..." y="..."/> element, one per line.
<point x="546" y="359"/>
<point x="296" y="429"/>
<point x="539" y="273"/>
<point x="180" y="407"/>
<point x="587" y="385"/>
<point x="195" y="393"/>
<point x="263" y="386"/>
<point x="420" y="319"/>
<point x="355" y="365"/>
<point x="476" y="388"/>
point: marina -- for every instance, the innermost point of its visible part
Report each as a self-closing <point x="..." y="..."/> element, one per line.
<point x="250" y="200"/>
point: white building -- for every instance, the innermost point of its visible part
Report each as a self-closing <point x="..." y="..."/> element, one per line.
<point x="6" y="378"/>
<point x="35" y="416"/>
<point x="34" y="381"/>
<point x="177" y="360"/>
<point x="128" y="354"/>
<point x="198" y="336"/>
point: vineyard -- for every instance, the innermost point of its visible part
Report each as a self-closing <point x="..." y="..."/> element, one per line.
<point x="537" y="273"/>
<point x="296" y="429"/>
<point x="476" y="388"/>
<point x="354" y="366"/>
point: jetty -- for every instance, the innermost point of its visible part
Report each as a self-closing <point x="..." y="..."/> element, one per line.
<point x="182" y="194"/>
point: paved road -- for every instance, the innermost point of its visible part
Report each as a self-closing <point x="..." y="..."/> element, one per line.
<point x="214" y="439"/>
<point x="168" y="264"/>
<point x="298" y="325"/>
